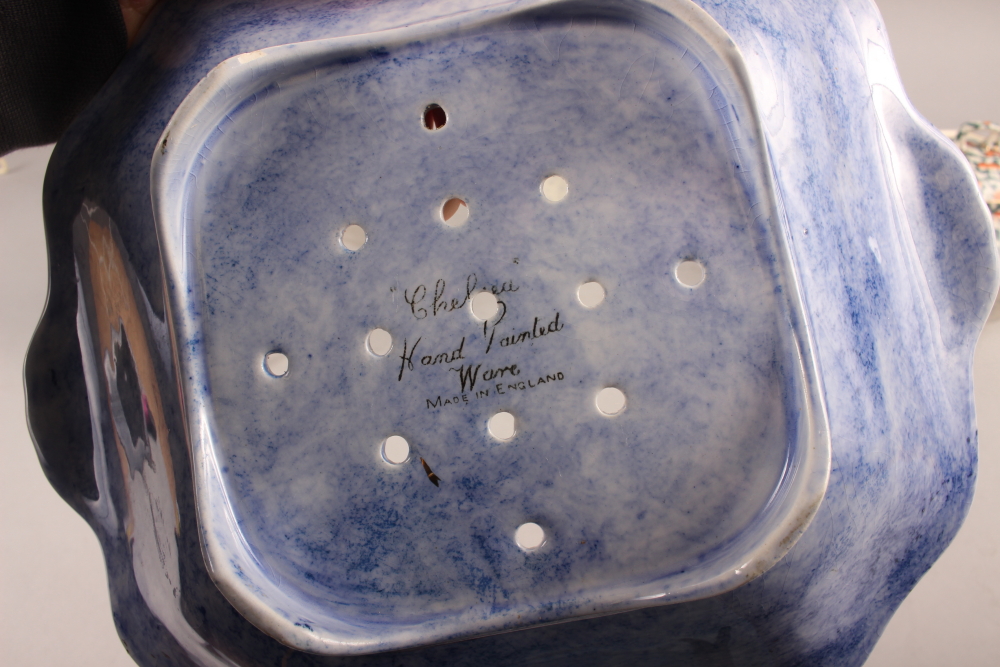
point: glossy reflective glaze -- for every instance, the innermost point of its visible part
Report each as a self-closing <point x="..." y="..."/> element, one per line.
<point x="847" y="262"/>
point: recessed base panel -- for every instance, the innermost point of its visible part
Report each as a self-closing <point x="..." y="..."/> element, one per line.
<point x="486" y="323"/>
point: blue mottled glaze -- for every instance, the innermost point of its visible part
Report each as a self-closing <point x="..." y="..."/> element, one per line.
<point x="798" y="442"/>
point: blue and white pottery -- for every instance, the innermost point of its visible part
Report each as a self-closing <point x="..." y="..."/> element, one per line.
<point x="534" y="333"/>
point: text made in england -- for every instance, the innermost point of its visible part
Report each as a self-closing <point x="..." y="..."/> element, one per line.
<point x="497" y="389"/>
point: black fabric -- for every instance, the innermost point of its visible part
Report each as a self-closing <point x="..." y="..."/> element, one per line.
<point x="54" y="57"/>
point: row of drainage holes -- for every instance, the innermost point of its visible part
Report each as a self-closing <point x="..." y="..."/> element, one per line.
<point x="485" y="305"/>
<point x="689" y="273"/>
<point x="610" y="401"/>
<point x="454" y="212"/>
<point x="502" y="426"/>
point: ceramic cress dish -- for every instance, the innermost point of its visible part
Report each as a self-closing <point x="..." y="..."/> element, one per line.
<point x="702" y="480"/>
<point x="375" y="327"/>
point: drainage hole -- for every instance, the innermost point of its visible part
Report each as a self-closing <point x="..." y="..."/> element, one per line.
<point x="484" y="306"/>
<point x="690" y="273"/>
<point x="610" y="401"/>
<point x="454" y="212"/>
<point x="379" y="342"/>
<point x="434" y="117"/>
<point x="555" y="188"/>
<point x="529" y="536"/>
<point x="353" y="237"/>
<point x="276" y="364"/>
<point x="502" y="426"/>
<point x="395" y="449"/>
<point x="590" y="294"/>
